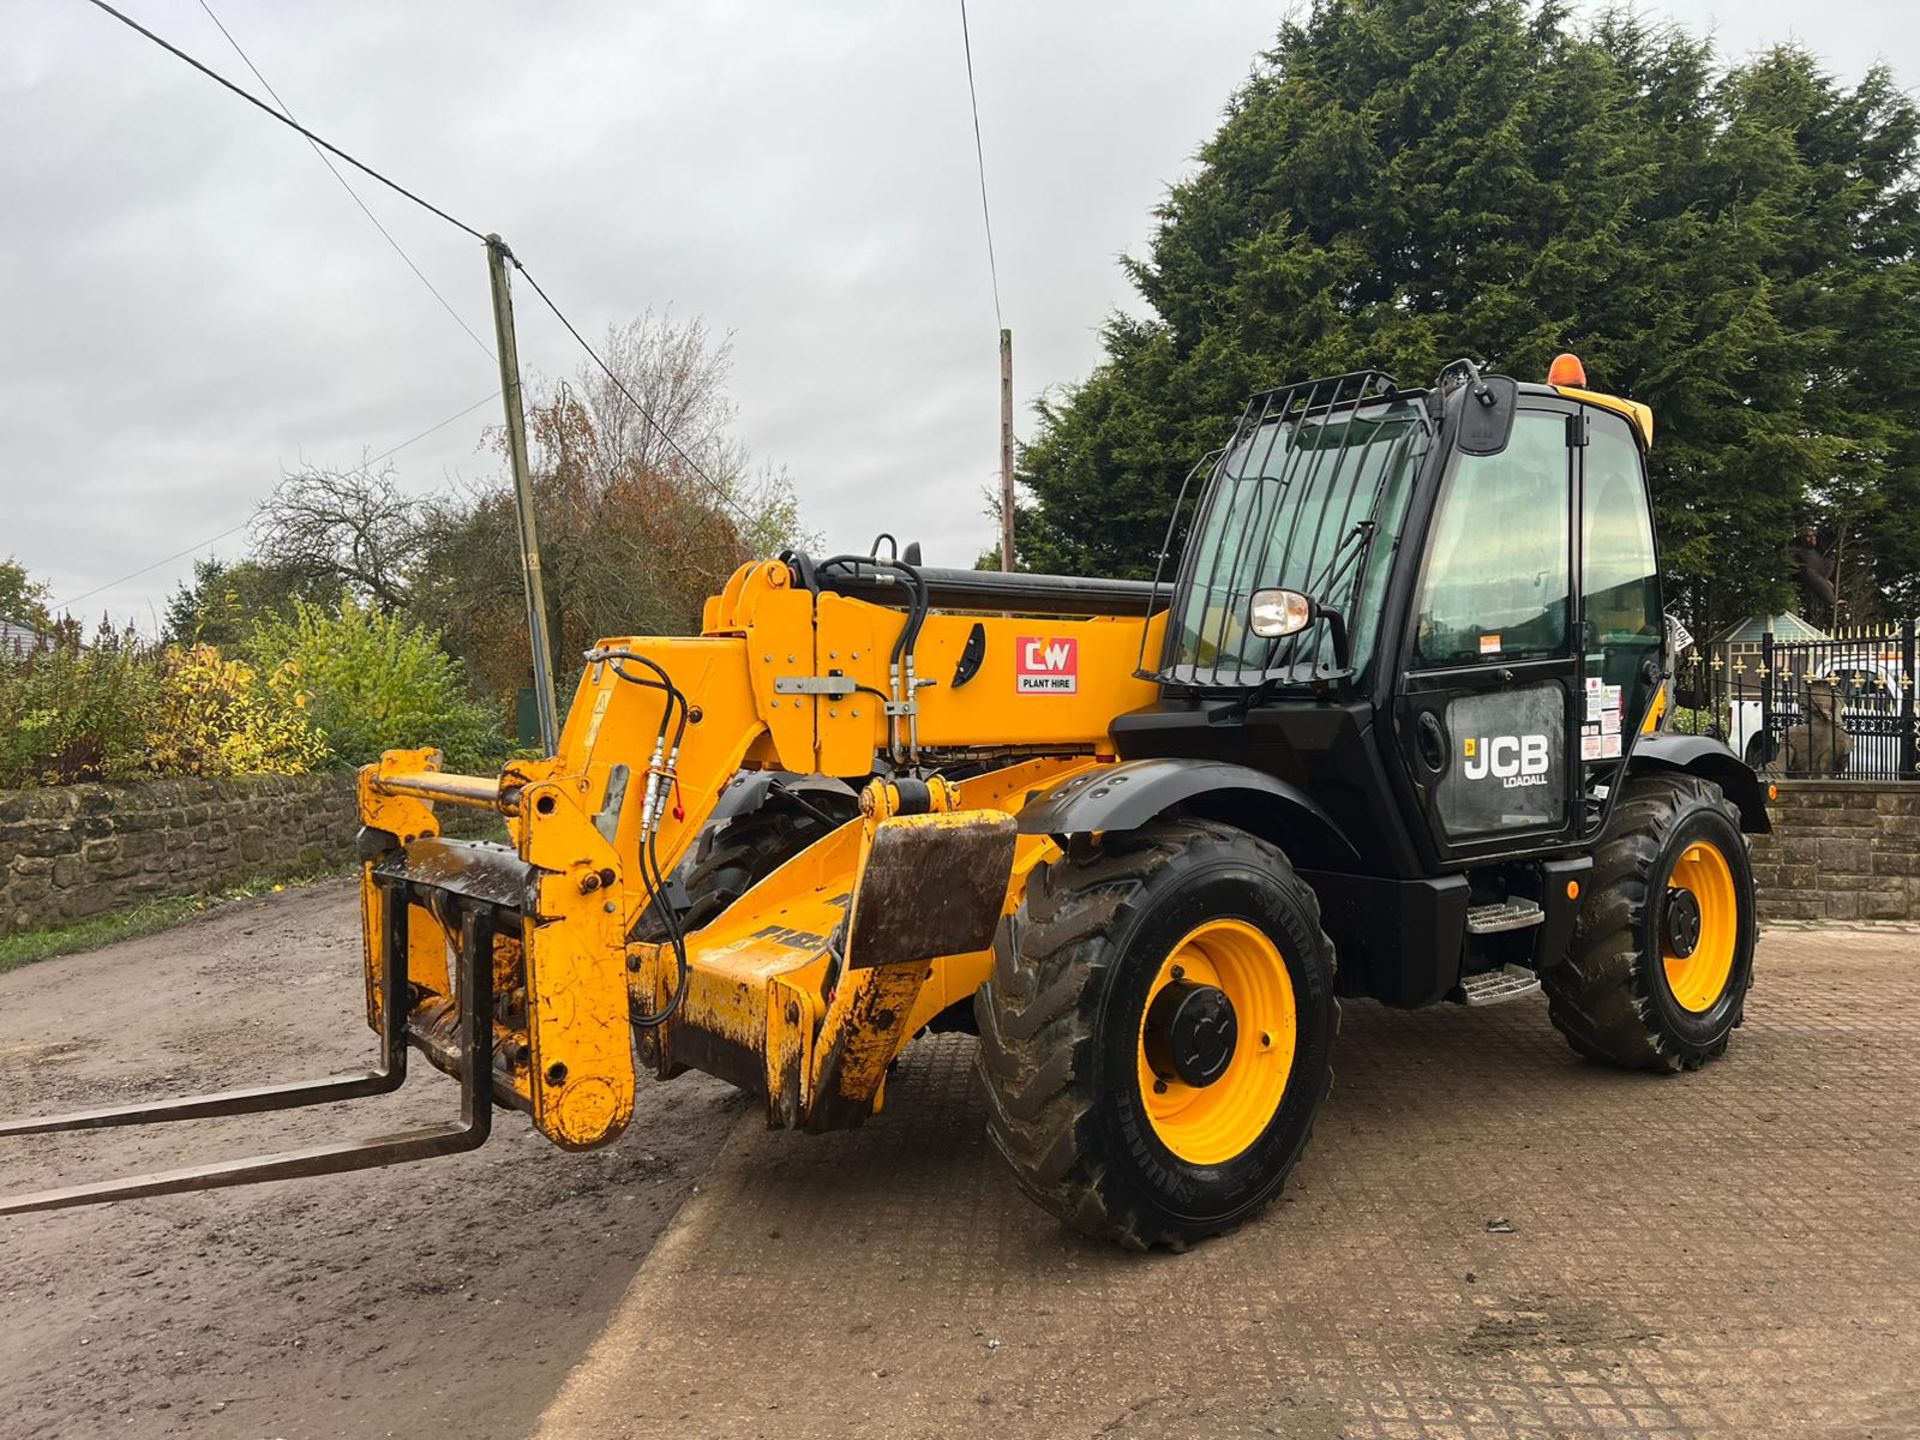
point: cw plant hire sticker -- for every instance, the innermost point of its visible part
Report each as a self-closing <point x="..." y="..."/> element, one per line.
<point x="1046" y="665"/>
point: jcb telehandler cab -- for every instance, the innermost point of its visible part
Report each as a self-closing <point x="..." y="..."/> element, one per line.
<point x="1389" y="729"/>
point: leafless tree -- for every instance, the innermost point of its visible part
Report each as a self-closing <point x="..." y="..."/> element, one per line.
<point x="677" y="371"/>
<point x="635" y="529"/>
<point x="347" y="528"/>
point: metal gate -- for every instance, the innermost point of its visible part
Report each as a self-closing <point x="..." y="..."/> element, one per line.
<point x="1838" y="706"/>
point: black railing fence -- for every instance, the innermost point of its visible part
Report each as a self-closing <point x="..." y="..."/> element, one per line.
<point x="1838" y="706"/>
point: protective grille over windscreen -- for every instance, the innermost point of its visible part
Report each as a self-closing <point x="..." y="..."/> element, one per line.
<point x="1309" y="496"/>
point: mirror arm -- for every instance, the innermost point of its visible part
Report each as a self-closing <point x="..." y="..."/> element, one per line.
<point x="1337" y="628"/>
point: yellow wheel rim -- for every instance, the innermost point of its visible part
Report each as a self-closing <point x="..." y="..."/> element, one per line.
<point x="1698" y="980"/>
<point x="1211" y="1124"/>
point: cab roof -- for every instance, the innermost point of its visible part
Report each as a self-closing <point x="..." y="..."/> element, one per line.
<point x="1637" y="415"/>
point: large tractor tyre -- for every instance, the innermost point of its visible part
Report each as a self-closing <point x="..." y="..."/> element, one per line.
<point x="1663" y="949"/>
<point x="1158" y="1033"/>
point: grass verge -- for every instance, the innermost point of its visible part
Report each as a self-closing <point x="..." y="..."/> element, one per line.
<point x="143" y="919"/>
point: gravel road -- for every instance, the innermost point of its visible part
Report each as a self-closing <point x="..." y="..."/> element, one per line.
<point x="392" y="1302"/>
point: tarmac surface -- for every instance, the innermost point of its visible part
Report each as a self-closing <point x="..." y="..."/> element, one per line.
<point x="1487" y="1238"/>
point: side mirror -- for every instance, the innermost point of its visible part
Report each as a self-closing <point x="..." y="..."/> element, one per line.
<point x="1486" y="415"/>
<point x="1480" y="407"/>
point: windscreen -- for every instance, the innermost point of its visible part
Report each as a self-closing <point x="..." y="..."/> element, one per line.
<point x="1310" y="502"/>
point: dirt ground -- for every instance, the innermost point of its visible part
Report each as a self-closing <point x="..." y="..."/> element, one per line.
<point x="453" y="1293"/>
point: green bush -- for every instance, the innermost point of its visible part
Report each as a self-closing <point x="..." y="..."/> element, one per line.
<point x="121" y="708"/>
<point x="216" y="716"/>
<point x="319" y="687"/>
<point x="1684" y="721"/>
<point x="71" y="712"/>
<point x="370" y="681"/>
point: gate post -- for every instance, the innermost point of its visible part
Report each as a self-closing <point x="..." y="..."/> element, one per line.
<point x="1766" y="695"/>
<point x="1909" y="741"/>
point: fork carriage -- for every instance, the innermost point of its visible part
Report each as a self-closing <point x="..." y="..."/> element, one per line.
<point x="803" y="991"/>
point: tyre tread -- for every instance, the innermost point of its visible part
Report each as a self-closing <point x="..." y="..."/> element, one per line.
<point x="1037" y="1018"/>
<point x="1601" y="998"/>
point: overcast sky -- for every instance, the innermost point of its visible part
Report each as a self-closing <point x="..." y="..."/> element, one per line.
<point x="192" y="304"/>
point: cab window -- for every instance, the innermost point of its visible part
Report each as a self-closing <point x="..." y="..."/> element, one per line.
<point x="1495" y="586"/>
<point x="1620" y="582"/>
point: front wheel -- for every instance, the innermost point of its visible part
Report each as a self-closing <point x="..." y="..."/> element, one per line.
<point x="1158" y="1033"/>
<point x="1663" y="948"/>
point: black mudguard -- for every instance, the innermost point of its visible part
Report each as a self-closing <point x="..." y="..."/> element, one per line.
<point x="1128" y="795"/>
<point x="753" y="790"/>
<point x="1711" y="760"/>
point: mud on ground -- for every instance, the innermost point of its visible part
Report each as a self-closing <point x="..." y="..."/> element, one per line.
<point x="392" y="1302"/>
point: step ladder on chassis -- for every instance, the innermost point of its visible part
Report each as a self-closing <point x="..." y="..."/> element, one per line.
<point x="1504" y="982"/>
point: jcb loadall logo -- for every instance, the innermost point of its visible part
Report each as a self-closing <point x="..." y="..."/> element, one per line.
<point x="1046" y="665"/>
<point x="1514" y="760"/>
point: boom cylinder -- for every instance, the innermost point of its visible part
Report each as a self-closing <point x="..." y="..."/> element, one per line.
<point x="992" y="590"/>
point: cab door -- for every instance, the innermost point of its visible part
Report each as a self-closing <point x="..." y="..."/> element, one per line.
<point x="1622" y="626"/>
<point x="1491" y="679"/>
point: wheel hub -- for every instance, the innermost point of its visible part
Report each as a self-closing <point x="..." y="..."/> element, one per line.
<point x="1191" y="1033"/>
<point x="1682" y="923"/>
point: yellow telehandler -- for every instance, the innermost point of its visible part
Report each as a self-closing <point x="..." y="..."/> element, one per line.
<point x="1395" y="699"/>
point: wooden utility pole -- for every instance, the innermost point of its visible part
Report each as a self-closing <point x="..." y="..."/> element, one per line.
<point x="1006" y="449"/>
<point x="498" y="257"/>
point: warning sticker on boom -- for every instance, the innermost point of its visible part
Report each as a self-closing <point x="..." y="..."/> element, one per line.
<point x="1046" y="665"/>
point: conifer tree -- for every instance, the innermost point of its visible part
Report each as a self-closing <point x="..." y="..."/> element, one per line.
<point x="1405" y="181"/>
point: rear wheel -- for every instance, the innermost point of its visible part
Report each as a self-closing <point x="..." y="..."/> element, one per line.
<point x="1663" y="950"/>
<point x="1158" y="1033"/>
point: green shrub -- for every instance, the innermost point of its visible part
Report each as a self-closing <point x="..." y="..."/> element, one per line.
<point x="121" y="708"/>
<point x="71" y="712"/>
<point x="370" y="681"/>
<point x="216" y="716"/>
<point x="318" y="687"/>
<point x="1684" y="721"/>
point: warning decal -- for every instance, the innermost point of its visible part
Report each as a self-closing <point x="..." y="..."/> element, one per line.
<point x="1046" y="665"/>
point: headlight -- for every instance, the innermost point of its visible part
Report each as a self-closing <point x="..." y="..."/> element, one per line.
<point x="1278" y="613"/>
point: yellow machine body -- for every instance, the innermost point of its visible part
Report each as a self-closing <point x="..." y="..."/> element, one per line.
<point x="872" y="798"/>
<point x="808" y="985"/>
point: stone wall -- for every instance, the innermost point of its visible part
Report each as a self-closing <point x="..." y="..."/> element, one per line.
<point x="1841" y="850"/>
<point x="70" y="851"/>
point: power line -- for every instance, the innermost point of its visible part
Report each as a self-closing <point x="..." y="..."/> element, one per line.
<point x="364" y="466"/>
<point x="720" y="492"/>
<point x="285" y="119"/>
<point x="980" y="158"/>
<point x="353" y="194"/>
